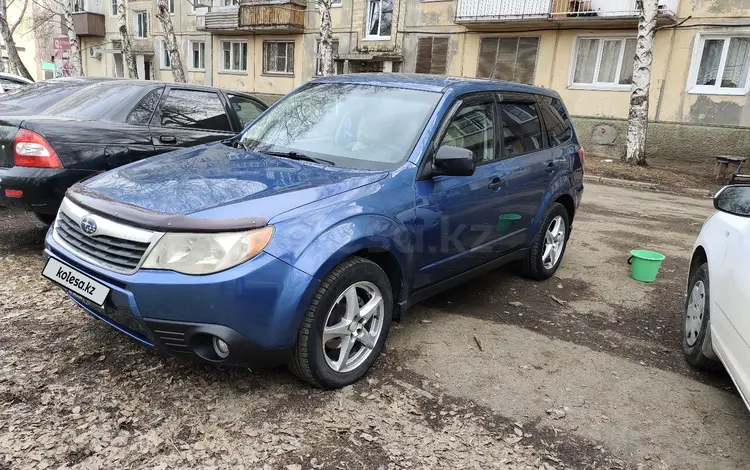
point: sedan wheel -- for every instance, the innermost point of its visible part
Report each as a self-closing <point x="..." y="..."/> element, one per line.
<point x="696" y="337"/>
<point x="694" y="313"/>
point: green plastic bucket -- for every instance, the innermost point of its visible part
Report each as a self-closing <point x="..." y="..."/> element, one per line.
<point x="505" y="222"/>
<point x="644" y="265"/>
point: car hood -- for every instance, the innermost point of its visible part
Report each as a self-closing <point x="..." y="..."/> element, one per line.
<point x="216" y="182"/>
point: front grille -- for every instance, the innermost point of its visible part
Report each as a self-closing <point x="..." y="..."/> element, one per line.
<point x="111" y="252"/>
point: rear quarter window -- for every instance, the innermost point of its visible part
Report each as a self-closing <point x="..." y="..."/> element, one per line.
<point x="557" y="121"/>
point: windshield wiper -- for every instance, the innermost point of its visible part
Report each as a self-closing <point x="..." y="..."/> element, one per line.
<point x="299" y="156"/>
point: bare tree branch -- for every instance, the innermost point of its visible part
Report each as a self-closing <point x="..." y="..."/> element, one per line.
<point x="175" y="61"/>
<point x="20" y="17"/>
<point x="16" y="65"/>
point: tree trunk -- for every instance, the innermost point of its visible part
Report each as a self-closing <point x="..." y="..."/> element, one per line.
<point x="75" y="65"/>
<point x="15" y="64"/>
<point x="127" y="53"/>
<point x="644" y="57"/>
<point x="178" y="73"/>
<point x="326" y="41"/>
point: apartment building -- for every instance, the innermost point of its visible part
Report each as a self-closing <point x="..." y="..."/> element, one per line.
<point x="581" y="48"/>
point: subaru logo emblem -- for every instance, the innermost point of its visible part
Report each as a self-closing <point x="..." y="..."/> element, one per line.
<point x="88" y="225"/>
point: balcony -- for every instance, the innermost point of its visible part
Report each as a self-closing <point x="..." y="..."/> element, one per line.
<point x="264" y="16"/>
<point x="88" y="24"/>
<point x="557" y="13"/>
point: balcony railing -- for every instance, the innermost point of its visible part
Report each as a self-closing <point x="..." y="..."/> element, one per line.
<point x="270" y="16"/>
<point x="469" y="11"/>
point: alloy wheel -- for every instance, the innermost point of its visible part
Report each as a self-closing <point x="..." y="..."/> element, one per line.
<point x="554" y="242"/>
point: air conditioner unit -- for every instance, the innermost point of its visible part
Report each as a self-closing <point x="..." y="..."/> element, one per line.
<point x="95" y="53"/>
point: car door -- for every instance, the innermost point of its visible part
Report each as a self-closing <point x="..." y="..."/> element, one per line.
<point x="528" y="159"/>
<point x="244" y="109"/>
<point x="188" y="117"/>
<point x="458" y="215"/>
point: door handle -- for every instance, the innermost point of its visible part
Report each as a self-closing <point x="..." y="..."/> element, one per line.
<point x="168" y="139"/>
<point x="495" y="184"/>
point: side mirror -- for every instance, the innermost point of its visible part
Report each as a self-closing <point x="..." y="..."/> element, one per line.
<point x="734" y="200"/>
<point x="454" y="161"/>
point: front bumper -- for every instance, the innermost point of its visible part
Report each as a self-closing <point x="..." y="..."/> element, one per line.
<point x="256" y="308"/>
<point x="43" y="188"/>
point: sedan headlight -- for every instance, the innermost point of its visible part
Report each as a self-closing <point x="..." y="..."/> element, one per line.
<point x="206" y="253"/>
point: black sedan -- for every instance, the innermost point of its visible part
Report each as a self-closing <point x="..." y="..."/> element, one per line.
<point x="106" y="124"/>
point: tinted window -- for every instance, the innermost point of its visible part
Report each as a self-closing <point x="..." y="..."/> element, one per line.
<point x="522" y="132"/>
<point x="559" y="127"/>
<point x="141" y="114"/>
<point x="247" y="110"/>
<point x="97" y="101"/>
<point x="194" y="109"/>
<point x="472" y="128"/>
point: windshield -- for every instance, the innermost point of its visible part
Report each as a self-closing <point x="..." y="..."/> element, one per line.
<point x="350" y="125"/>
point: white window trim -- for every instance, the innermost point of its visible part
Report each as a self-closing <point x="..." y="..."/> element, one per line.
<point x="221" y="57"/>
<point x="136" y="14"/>
<point x="190" y="50"/>
<point x="695" y="63"/>
<point x="368" y="36"/>
<point x="276" y="41"/>
<point x="600" y="86"/>
<point x="163" y="53"/>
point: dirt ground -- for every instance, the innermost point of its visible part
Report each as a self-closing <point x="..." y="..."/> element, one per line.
<point x="669" y="175"/>
<point x="585" y="373"/>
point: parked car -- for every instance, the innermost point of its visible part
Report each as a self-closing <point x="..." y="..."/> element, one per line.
<point x="9" y="82"/>
<point x="106" y="124"/>
<point x="717" y="327"/>
<point x="301" y="239"/>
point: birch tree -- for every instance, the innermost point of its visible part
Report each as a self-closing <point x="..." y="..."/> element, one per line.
<point x="127" y="52"/>
<point x="639" y="94"/>
<point x="75" y="65"/>
<point x="175" y="62"/>
<point x="326" y="38"/>
<point x="6" y="31"/>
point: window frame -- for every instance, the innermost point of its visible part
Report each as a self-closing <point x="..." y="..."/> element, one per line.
<point x="136" y="16"/>
<point x="113" y="13"/>
<point x="518" y="42"/>
<point x="519" y="98"/>
<point x="171" y="5"/>
<point x="201" y="54"/>
<point x="233" y="43"/>
<point x="370" y="37"/>
<point x="165" y="60"/>
<point x="601" y="86"/>
<point x="266" y="44"/>
<point x="695" y="62"/>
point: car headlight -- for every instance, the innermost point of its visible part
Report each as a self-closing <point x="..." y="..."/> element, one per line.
<point x="206" y="253"/>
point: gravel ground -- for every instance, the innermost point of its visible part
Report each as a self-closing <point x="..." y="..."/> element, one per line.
<point x="584" y="373"/>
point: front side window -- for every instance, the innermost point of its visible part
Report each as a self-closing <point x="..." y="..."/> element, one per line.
<point x="512" y="59"/>
<point x="522" y="132"/>
<point x="166" y="60"/>
<point x="379" y="19"/>
<point x="198" y="59"/>
<point x="234" y="56"/>
<point x="194" y="109"/>
<point x="604" y="63"/>
<point x="472" y="128"/>
<point x="722" y="65"/>
<point x="278" y="57"/>
<point x="351" y="125"/>
<point x="247" y="110"/>
<point x="141" y="24"/>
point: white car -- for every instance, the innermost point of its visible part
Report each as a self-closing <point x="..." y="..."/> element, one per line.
<point x="717" y="309"/>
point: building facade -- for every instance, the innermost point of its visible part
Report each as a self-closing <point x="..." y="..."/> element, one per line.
<point x="581" y="48"/>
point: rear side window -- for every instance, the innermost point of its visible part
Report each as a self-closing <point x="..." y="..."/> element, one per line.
<point x="522" y="132"/>
<point x="559" y="127"/>
<point x="141" y="114"/>
<point x="247" y="110"/>
<point x="194" y="109"/>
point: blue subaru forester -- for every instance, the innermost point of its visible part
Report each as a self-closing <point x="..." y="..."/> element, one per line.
<point x="301" y="239"/>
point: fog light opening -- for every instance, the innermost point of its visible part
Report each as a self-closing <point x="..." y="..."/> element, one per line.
<point x="221" y="348"/>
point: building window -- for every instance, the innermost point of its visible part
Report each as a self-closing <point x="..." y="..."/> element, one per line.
<point x="118" y="69"/>
<point x="198" y="57"/>
<point x="113" y="8"/>
<point x="141" y="24"/>
<point x="166" y="60"/>
<point x="432" y="55"/>
<point x="278" y="57"/>
<point x="78" y="5"/>
<point x="605" y="63"/>
<point x="338" y="67"/>
<point x="379" y="18"/>
<point x="234" y="56"/>
<point x="720" y="65"/>
<point x="171" y="7"/>
<point x="336" y="3"/>
<point x="508" y="58"/>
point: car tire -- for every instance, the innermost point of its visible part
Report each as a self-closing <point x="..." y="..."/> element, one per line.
<point x="538" y="265"/>
<point x="46" y="219"/>
<point x="320" y="362"/>
<point x="696" y="327"/>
